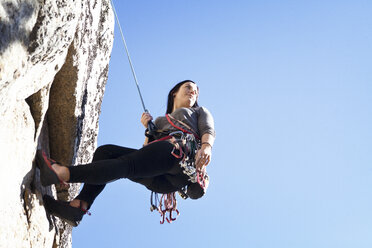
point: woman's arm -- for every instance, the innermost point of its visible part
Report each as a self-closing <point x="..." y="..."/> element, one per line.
<point x="204" y="155"/>
<point x="206" y="128"/>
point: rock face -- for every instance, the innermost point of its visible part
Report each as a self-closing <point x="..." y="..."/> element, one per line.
<point x="54" y="59"/>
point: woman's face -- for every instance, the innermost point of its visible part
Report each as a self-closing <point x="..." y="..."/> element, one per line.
<point x="186" y="95"/>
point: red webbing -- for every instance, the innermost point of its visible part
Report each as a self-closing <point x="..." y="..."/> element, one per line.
<point x="180" y="128"/>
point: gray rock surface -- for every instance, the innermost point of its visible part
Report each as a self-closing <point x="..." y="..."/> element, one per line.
<point x="54" y="59"/>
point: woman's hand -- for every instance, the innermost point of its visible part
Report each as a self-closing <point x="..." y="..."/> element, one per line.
<point x="145" y="118"/>
<point x="203" y="156"/>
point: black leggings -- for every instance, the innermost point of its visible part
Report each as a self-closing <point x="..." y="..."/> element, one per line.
<point x="152" y="166"/>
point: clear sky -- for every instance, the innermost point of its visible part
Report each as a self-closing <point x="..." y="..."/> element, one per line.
<point x="289" y="84"/>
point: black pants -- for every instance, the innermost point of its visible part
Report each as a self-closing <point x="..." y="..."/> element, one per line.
<point x="152" y="166"/>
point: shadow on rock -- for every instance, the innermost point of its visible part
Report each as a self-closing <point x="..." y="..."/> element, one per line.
<point x="12" y="30"/>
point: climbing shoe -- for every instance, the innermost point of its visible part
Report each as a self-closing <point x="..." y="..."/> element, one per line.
<point x="63" y="210"/>
<point x="48" y="175"/>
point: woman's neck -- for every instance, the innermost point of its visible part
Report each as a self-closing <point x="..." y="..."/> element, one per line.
<point x="175" y="107"/>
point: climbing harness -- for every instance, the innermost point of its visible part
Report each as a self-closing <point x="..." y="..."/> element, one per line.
<point x="151" y="125"/>
<point x="185" y="146"/>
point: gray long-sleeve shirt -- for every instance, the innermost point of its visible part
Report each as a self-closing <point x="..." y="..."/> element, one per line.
<point x="199" y="119"/>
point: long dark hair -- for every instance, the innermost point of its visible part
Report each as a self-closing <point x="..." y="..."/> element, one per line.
<point x="174" y="90"/>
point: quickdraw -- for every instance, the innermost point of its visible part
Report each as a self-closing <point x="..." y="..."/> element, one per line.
<point x="200" y="176"/>
<point x="166" y="204"/>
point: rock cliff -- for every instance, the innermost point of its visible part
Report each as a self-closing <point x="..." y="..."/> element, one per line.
<point x="54" y="59"/>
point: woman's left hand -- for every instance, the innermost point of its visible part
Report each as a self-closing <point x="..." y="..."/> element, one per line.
<point x="203" y="156"/>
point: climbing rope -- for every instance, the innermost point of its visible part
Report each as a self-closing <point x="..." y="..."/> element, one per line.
<point x="129" y="59"/>
<point x="151" y="126"/>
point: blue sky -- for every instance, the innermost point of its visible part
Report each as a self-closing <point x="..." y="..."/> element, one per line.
<point x="289" y="84"/>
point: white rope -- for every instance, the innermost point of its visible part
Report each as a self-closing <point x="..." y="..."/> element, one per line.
<point x="130" y="61"/>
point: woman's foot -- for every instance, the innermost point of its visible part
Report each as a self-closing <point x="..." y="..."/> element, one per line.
<point x="50" y="171"/>
<point x="64" y="210"/>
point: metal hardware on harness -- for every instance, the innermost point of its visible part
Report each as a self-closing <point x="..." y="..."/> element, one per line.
<point x="182" y="193"/>
<point x="201" y="179"/>
<point x="154" y="201"/>
<point x="170" y="206"/>
<point x="166" y="204"/>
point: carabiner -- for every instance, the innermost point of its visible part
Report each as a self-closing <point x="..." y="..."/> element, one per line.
<point x="162" y="214"/>
<point x="170" y="215"/>
<point x="175" y="155"/>
<point x="200" y="179"/>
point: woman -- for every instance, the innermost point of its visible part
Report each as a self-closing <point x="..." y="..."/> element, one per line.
<point x="173" y="161"/>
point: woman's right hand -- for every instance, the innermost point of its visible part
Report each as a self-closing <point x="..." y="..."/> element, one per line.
<point x="145" y="118"/>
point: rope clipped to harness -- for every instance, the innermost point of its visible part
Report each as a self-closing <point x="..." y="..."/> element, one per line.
<point x="151" y="130"/>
